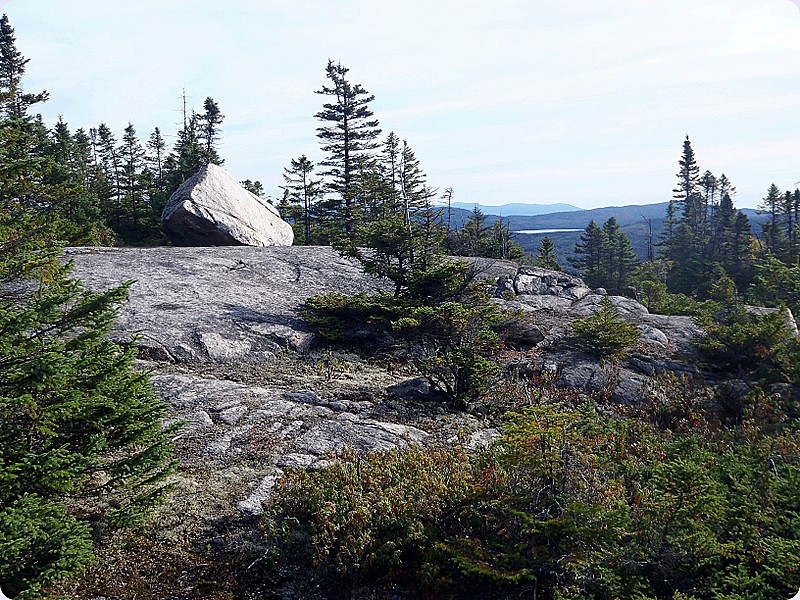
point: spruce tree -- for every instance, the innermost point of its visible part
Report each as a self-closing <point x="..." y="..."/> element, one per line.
<point x="619" y="259"/>
<point x="187" y="156"/>
<point x="686" y="194"/>
<point x="771" y="205"/>
<point x="475" y="235"/>
<point x="546" y="257"/>
<point x="589" y="253"/>
<point x="390" y="160"/>
<point x="155" y="160"/>
<point x="111" y="165"/>
<point x="14" y="102"/>
<point x="347" y="136"/>
<point x="301" y="192"/>
<point x="132" y="157"/>
<point x="208" y="135"/>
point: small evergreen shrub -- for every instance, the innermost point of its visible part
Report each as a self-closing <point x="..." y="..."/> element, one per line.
<point x="605" y="333"/>
<point x="745" y="343"/>
<point x="82" y="448"/>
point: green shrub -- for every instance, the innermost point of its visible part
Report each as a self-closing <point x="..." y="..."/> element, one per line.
<point x="371" y="517"/>
<point x="745" y="343"/>
<point x="453" y="342"/>
<point x="604" y="332"/>
<point x="566" y="504"/>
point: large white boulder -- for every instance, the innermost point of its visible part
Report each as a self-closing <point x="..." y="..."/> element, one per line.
<point x="213" y="209"/>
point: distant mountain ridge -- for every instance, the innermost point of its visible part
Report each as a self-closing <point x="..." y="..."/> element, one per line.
<point x="517" y="208"/>
<point x="635" y="220"/>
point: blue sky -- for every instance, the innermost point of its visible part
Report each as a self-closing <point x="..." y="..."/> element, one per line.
<point x="578" y="101"/>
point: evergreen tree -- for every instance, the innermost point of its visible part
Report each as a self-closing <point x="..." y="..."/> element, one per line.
<point x="604" y="332"/>
<point x="254" y="187"/>
<point x="108" y="159"/>
<point x="155" y="158"/>
<point x="689" y="246"/>
<point x="723" y="224"/>
<point x="132" y="158"/>
<point x="347" y="137"/>
<point x="13" y="101"/>
<point x="186" y="158"/>
<point x="589" y="253"/>
<point x="771" y="205"/>
<point x="82" y="450"/>
<point x="790" y="225"/>
<point x="208" y="123"/>
<point x="501" y="242"/>
<point x="547" y="258"/>
<point x="709" y="188"/>
<point x="475" y="234"/>
<point x="39" y="170"/>
<point x="670" y="224"/>
<point x="605" y="257"/>
<point x="740" y="251"/>
<point x="391" y="159"/>
<point x="301" y="192"/>
<point x="619" y="259"/>
<point x="686" y="194"/>
<point x="447" y="196"/>
<point x="69" y="172"/>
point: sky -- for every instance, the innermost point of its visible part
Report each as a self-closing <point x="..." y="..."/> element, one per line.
<point x="544" y="101"/>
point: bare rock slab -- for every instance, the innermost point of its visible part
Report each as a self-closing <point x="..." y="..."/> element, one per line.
<point x="220" y="305"/>
<point x="213" y="209"/>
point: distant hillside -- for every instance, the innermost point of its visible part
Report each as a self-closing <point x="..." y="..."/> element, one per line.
<point x="633" y="221"/>
<point x="579" y="219"/>
<point x="519" y="208"/>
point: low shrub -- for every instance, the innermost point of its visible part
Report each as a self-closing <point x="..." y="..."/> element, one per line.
<point x="605" y="333"/>
<point x="371" y="517"/>
<point x="741" y="342"/>
<point x="454" y="343"/>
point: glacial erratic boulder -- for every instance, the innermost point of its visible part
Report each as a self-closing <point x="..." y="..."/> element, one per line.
<point x="213" y="209"/>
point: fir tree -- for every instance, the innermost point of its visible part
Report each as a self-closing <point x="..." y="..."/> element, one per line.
<point x="82" y="449"/>
<point x="605" y="333"/>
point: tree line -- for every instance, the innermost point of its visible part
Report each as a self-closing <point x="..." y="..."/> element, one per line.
<point x="101" y="189"/>
<point x="707" y="248"/>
